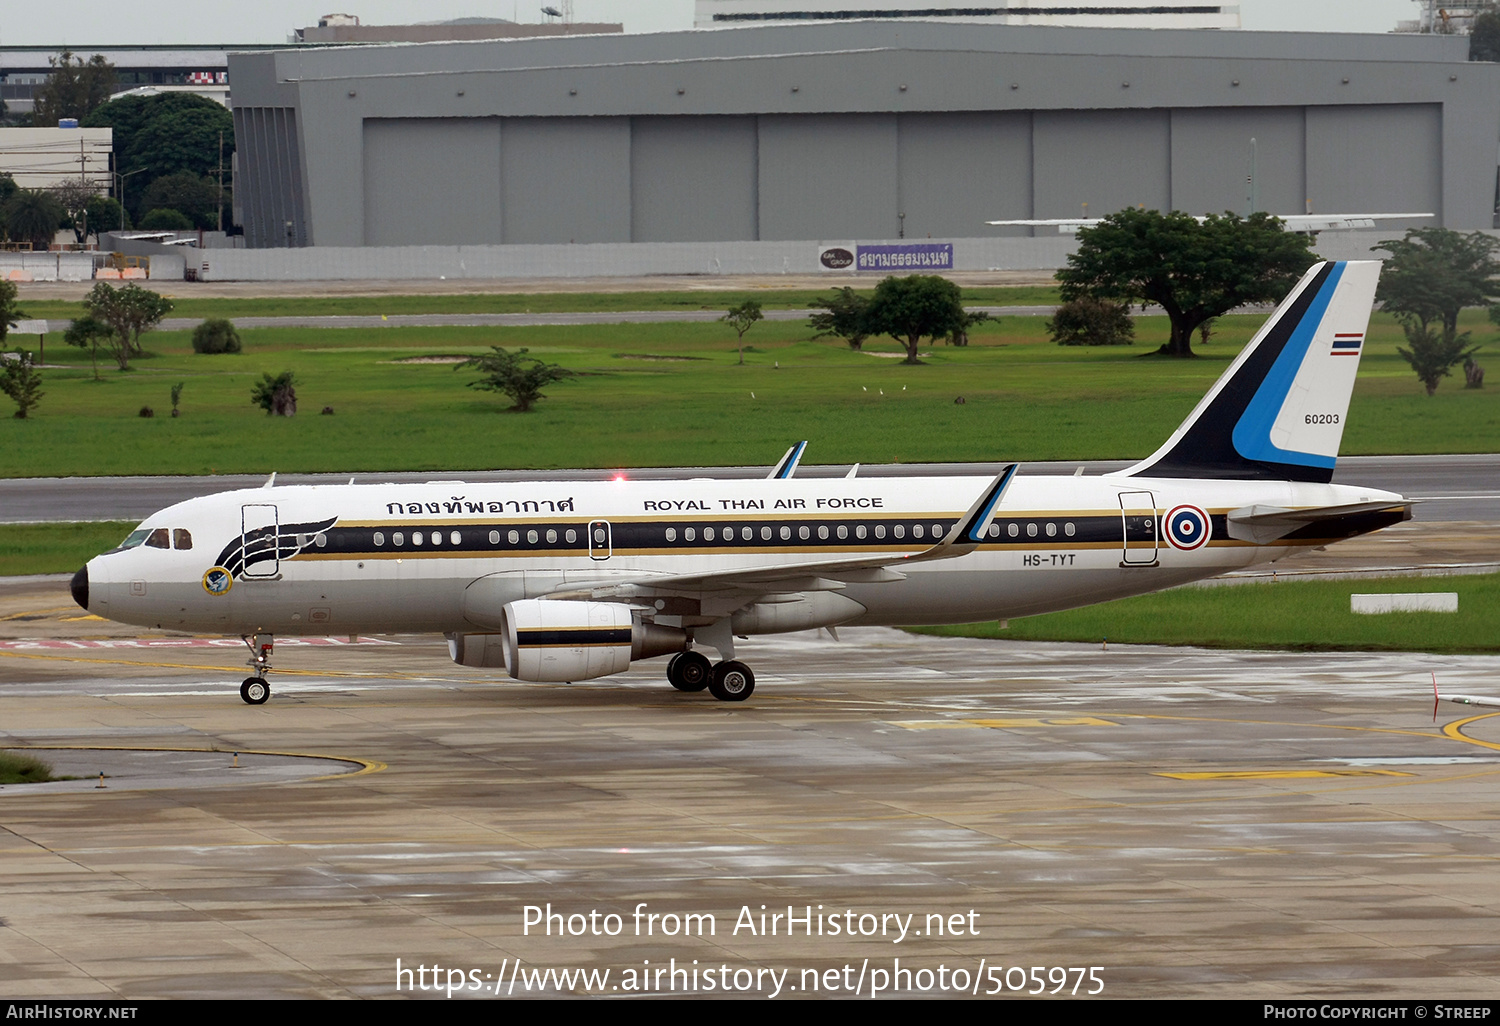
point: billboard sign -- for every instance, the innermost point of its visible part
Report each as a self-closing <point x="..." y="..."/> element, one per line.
<point x="905" y="256"/>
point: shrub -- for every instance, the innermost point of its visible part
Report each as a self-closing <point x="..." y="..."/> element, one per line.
<point x="1092" y="322"/>
<point x="165" y="219"/>
<point x="276" y="395"/>
<point x="216" y="335"/>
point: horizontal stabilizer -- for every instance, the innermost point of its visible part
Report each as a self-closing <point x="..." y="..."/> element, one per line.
<point x="1264" y="524"/>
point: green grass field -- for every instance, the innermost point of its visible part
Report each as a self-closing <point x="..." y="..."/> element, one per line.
<point x="56" y="548"/>
<point x="672" y="394"/>
<point x="1298" y="615"/>
<point x="520" y="302"/>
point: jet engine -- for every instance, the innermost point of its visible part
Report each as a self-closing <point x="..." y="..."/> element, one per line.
<point x="557" y="640"/>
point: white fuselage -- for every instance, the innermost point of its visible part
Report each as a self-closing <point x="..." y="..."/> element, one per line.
<point x="417" y="558"/>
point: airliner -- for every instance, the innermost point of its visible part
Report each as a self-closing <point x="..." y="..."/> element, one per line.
<point x="566" y="581"/>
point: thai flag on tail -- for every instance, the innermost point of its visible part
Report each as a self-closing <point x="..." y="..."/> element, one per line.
<point x="1347" y="344"/>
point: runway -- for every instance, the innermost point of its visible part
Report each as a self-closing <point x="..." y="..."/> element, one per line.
<point x="1192" y="823"/>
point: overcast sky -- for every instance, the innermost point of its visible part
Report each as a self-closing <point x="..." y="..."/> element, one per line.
<point x="80" y="23"/>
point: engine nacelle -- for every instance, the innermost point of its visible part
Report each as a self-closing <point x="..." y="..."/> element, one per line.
<point x="549" y="640"/>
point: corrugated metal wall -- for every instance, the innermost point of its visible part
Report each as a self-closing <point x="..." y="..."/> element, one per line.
<point x="269" y="188"/>
<point x="439" y="181"/>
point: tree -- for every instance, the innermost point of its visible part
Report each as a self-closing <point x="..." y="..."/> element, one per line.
<point x="216" y="335"/>
<point x="1433" y="273"/>
<point x="191" y="195"/>
<point x="74" y="89"/>
<point x="1193" y="269"/>
<point x="131" y="311"/>
<point x="33" y="215"/>
<point x="843" y="317"/>
<point x="1087" y="321"/>
<point x="20" y="380"/>
<point x="10" y="312"/>
<point x="740" y="318"/>
<point x="916" y="307"/>
<point x="73" y="198"/>
<point x="276" y="395"/>
<point x="166" y="134"/>
<point x="515" y="374"/>
<point x="165" y="219"/>
<point x="105" y="214"/>
<point x="92" y="334"/>
<point x="1484" y="37"/>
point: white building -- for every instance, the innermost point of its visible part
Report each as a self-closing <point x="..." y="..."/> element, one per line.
<point x="1070" y="13"/>
<point x="41" y="158"/>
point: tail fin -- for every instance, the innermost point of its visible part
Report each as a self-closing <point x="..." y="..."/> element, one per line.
<point x="1278" y="412"/>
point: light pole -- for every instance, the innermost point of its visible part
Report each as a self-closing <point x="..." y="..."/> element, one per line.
<point x="120" y="192"/>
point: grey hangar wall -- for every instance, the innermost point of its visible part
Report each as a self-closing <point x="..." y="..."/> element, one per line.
<point x="835" y="132"/>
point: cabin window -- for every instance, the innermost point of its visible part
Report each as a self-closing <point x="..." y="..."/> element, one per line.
<point x="880" y="530"/>
<point x="321" y="541"/>
<point x="843" y="532"/>
<point x="378" y="539"/>
<point x="859" y="531"/>
<point x="1031" y="530"/>
<point x="804" y="533"/>
<point x="746" y="533"/>
<point x="181" y="539"/>
<point x="916" y="530"/>
<point x="1068" y="529"/>
<point x="551" y="536"/>
<point x="456" y="538"/>
<point x="437" y="537"/>
<point x="765" y="534"/>
<point x="531" y="537"/>
<point x="1051" y="530"/>
<point x="994" y="531"/>
<point x="708" y="534"/>
<point x="937" y="530"/>
<point x="1014" y="530"/>
<point x="398" y="538"/>
<point x="514" y="537"/>
<point x="689" y="534"/>
<point x="822" y="532"/>
<point x="416" y="537"/>
<point x="899" y="531"/>
<point x="671" y="534"/>
<point x="494" y="537"/>
<point x="158" y="539"/>
<point x="786" y="533"/>
<point x="572" y="536"/>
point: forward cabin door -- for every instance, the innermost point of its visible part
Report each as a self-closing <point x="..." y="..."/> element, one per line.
<point x="1138" y="522"/>
<point x="260" y="541"/>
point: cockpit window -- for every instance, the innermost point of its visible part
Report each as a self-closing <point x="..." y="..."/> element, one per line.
<point x="181" y="539"/>
<point x="158" y="539"/>
<point x="135" y="538"/>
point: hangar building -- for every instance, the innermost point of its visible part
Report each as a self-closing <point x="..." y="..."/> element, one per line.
<point x="852" y="130"/>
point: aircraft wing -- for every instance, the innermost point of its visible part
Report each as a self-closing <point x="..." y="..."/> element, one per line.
<point x="1263" y="524"/>
<point x="827" y="575"/>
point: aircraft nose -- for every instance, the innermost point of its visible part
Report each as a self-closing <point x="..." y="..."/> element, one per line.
<point x="80" y="587"/>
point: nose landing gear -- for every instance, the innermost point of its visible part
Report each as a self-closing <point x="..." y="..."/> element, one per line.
<point x="255" y="690"/>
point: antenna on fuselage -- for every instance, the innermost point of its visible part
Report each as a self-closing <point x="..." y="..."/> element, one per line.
<point x="270" y="481"/>
<point x="852" y="471"/>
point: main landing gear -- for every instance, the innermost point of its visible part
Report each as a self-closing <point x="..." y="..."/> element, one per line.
<point x="255" y="690"/>
<point x="728" y="681"/>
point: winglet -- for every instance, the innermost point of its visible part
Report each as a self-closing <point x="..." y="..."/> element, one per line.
<point x="971" y="527"/>
<point x="788" y="465"/>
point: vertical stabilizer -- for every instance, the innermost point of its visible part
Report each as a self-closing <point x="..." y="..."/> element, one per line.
<point x="1278" y="412"/>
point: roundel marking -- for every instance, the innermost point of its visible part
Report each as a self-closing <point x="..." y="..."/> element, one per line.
<point x="1188" y="528"/>
<point x="217" y="581"/>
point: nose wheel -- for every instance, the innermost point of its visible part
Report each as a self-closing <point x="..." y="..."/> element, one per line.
<point x="255" y="690"/>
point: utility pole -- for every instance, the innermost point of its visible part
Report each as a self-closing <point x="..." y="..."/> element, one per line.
<point x="221" y="181"/>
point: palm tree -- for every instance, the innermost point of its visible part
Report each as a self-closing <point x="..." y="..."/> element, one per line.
<point x="33" y="215"/>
